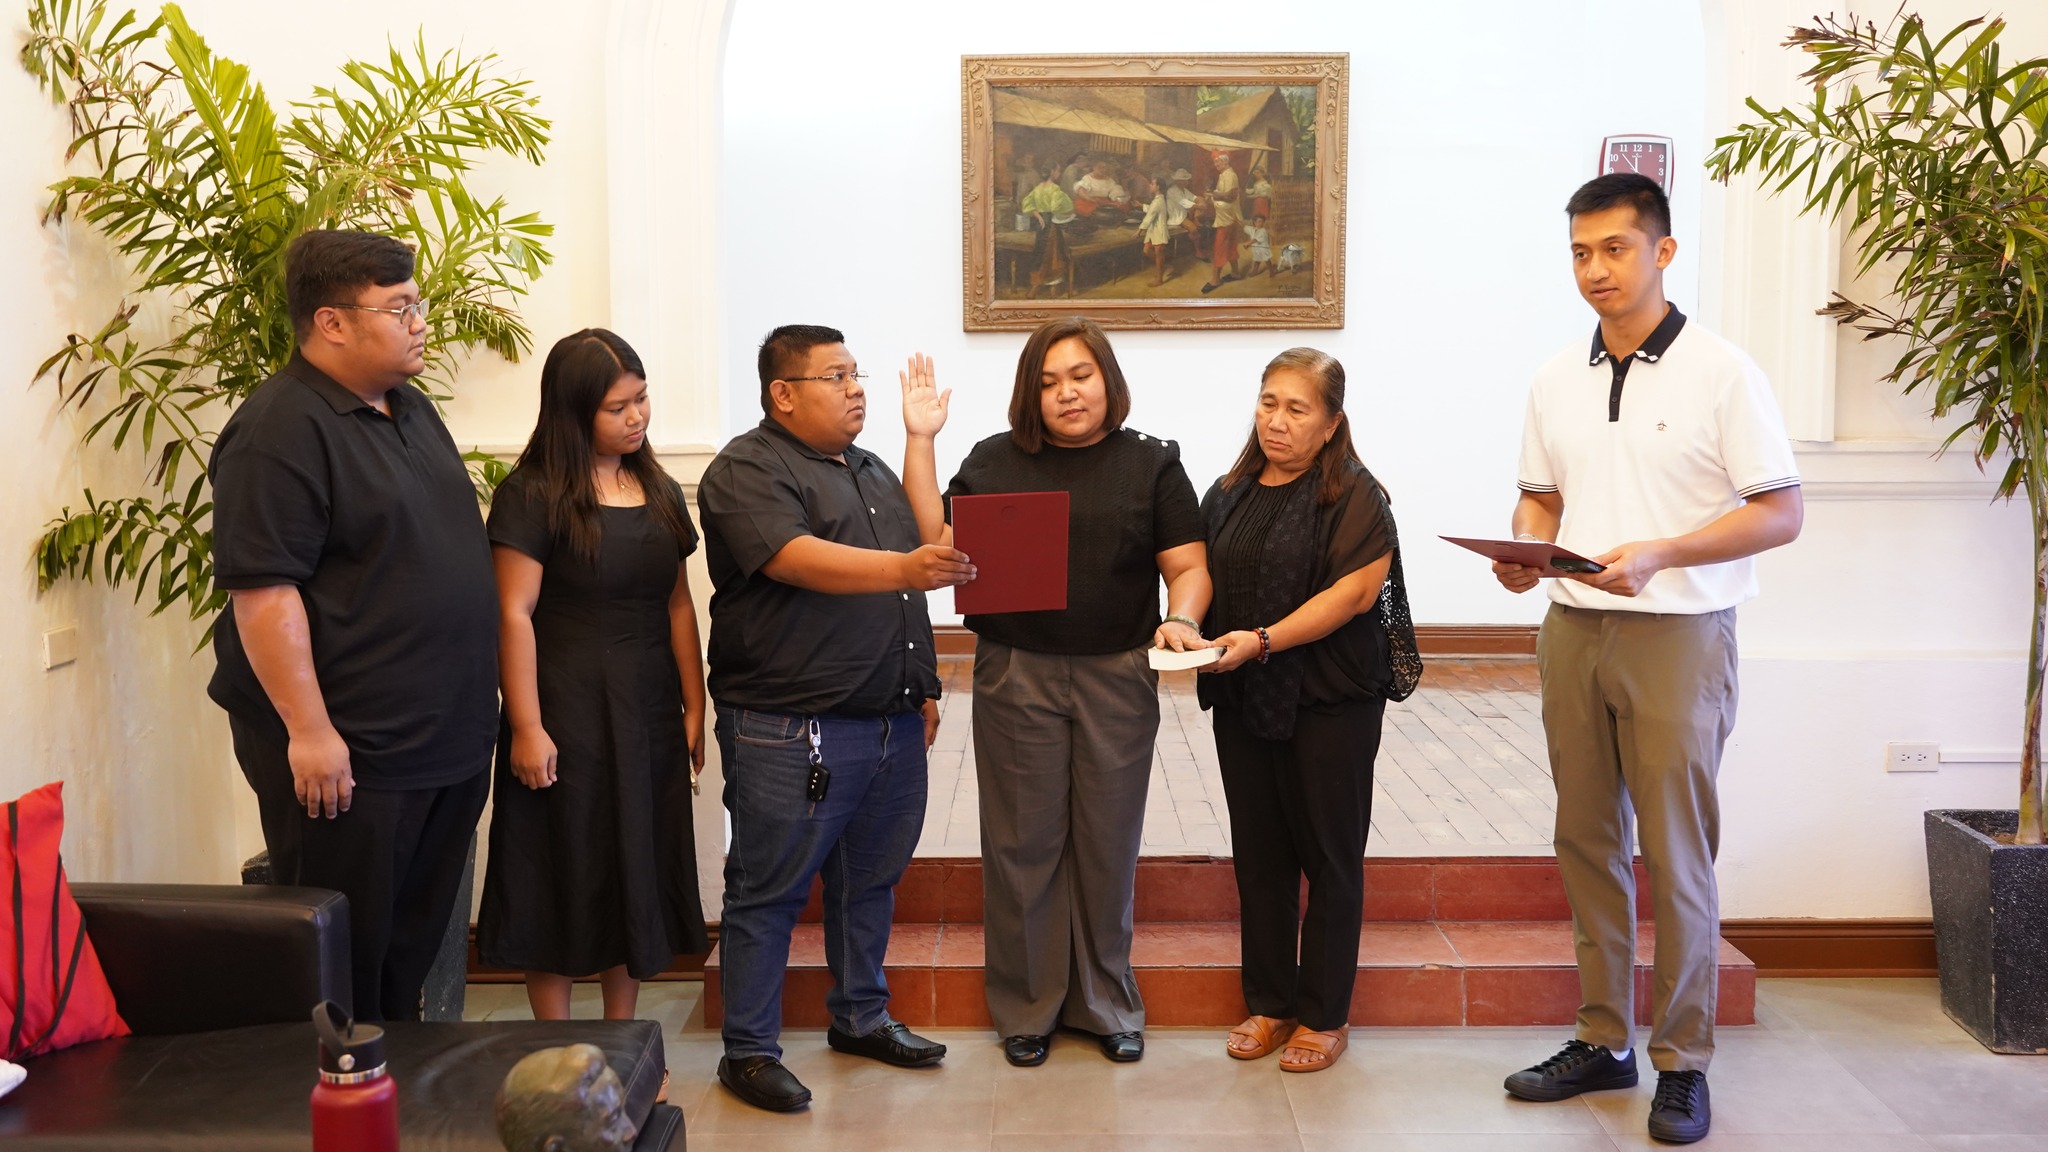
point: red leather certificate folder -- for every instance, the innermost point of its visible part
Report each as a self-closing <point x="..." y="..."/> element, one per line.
<point x="1017" y="542"/>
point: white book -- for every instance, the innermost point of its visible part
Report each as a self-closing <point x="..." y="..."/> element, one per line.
<point x="1167" y="660"/>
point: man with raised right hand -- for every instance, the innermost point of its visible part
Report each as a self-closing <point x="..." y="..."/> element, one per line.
<point x="826" y="690"/>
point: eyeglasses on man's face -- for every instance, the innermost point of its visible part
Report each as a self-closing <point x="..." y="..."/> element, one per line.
<point x="841" y="380"/>
<point x="417" y="310"/>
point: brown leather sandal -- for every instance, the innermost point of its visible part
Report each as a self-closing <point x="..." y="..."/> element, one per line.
<point x="1267" y="1034"/>
<point x="1325" y="1046"/>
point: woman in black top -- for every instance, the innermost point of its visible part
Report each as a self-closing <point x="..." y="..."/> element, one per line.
<point x="1313" y="618"/>
<point x="1066" y="704"/>
<point x="593" y="865"/>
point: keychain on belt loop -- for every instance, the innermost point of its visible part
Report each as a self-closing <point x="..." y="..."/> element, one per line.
<point x="821" y="776"/>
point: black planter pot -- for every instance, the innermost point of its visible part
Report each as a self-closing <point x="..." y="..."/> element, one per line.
<point x="1990" y="928"/>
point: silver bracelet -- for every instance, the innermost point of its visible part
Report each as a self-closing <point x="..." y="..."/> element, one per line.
<point x="1176" y="618"/>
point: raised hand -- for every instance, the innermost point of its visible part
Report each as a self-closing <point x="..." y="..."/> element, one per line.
<point x="924" y="406"/>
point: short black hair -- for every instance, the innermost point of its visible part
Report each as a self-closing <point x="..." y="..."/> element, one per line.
<point x="330" y="266"/>
<point x="782" y="352"/>
<point x="1027" y="414"/>
<point x="1639" y="192"/>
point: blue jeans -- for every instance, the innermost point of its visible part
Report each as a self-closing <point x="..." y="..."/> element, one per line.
<point x="860" y="836"/>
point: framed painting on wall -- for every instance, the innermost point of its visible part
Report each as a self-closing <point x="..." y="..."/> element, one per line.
<point x="1153" y="191"/>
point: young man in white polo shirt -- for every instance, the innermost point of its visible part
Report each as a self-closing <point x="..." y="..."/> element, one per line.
<point x="1661" y="455"/>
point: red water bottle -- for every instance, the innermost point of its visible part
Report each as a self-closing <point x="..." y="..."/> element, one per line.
<point x="355" y="1104"/>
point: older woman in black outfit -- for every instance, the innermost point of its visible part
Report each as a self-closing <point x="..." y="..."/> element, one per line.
<point x="1310" y="610"/>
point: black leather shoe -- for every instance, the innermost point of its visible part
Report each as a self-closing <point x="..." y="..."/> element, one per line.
<point x="763" y="1082"/>
<point x="1026" y="1051"/>
<point x="1577" y="1067"/>
<point x="1124" y="1047"/>
<point x="892" y="1043"/>
<point x="1680" y="1114"/>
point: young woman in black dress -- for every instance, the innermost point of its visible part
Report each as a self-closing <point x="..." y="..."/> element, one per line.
<point x="593" y="865"/>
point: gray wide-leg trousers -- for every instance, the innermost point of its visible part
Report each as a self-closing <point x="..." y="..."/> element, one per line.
<point x="1063" y="754"/>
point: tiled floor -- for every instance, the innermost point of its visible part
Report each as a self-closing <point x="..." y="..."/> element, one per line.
<point x="1832" y="1066"/>
<point x="1461" y="769"/>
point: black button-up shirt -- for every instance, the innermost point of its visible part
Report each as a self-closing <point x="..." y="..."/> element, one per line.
<point x="374" y="519"/>
<point x="779" y="648"/>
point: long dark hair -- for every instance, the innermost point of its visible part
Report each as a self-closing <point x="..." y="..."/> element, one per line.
<point x="580" y="369"/>
<point x="1328" y="375"/>
<point x="1027" y="414"/>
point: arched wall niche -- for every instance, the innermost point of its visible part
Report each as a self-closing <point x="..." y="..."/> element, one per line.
<point x="664" y="91"/>
<point x="1833" y="667"/>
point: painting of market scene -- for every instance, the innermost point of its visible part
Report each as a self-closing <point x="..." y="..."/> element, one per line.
<point x="1182" y="193"/>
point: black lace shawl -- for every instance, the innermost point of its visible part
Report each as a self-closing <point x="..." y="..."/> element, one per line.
<point x="1269" y="694"/>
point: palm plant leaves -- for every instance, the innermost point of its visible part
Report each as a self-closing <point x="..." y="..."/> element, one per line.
<point x="201" y="185"/>
<point x="1935" y="151"/>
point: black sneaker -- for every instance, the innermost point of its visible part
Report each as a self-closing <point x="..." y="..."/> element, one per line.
<point x="1577" y="1067"/>
<point x="763" y="1082"/>
<point x="1680" y="1114"/>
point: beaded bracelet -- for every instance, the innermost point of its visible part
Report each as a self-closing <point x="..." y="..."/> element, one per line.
<point x="1177" y="618"/>
<point x="1265" y="645"/>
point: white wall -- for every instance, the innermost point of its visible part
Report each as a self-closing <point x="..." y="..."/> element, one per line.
<point x="1471" y="123"/>
<point x="151" y="787"/>
<point x="125" y="727"/>
<point x="1899" y="615"/>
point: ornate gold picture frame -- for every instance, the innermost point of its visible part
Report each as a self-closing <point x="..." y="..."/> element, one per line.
<point x="1153" y="191"/>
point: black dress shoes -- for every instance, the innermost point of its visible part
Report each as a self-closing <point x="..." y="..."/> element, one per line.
<point x="1026" y="1051"/>
<point x="1577" y="1067"/>
<point x="892" y="1043"/>
<point x="763" y="1082"/>
<point x="1124" y="1047"/>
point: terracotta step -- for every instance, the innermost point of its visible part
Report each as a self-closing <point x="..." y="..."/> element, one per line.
<point x="1410" y="973"/>
<point x="947" y="890"/>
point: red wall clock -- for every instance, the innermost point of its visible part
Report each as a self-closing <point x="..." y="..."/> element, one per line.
<point x="1647" y="155"/>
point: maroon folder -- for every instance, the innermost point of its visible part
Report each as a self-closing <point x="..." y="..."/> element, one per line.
<point x="1017" y="542"/>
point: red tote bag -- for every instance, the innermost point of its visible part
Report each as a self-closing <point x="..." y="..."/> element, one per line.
<point x="52" y="991"/>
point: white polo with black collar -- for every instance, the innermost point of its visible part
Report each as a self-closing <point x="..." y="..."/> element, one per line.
<point x="1660" y="443"/>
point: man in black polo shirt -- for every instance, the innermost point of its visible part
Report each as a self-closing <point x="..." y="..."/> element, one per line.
<point x="358" y="660"/>
<point x="826" y="691"/>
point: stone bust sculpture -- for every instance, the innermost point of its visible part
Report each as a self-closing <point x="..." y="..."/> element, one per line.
<point x="564" y="1100"/>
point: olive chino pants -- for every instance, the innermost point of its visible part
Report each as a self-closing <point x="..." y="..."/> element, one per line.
<point x="1636" y="708"/>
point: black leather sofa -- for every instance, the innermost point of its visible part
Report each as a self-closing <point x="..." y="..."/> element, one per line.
<point x="218" y="984"/>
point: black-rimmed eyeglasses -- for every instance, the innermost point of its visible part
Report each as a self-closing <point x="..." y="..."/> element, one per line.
<point x="840" y="380"/>
<point x="417" y="308"/>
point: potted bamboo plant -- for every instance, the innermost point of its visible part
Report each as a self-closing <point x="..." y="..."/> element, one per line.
<point x="197" y="181"/>
<point x="1934" y="149"/>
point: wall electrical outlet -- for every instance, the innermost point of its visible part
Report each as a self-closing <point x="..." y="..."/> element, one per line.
<point x="1903" y="756"/>
<point x="60" y="647"/>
